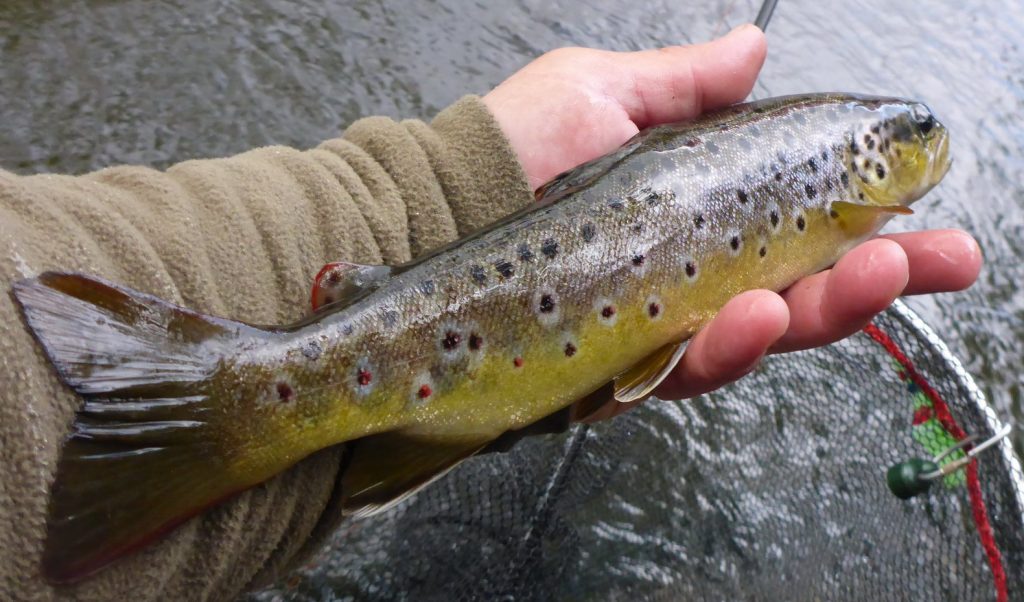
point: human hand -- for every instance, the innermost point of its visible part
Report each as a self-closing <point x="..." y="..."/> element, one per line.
<point x="573" y="105"/>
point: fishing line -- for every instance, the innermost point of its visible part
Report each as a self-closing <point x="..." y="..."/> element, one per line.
<point x="765" y="14"/>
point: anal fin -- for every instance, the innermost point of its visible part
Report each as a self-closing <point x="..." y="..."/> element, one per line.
<point x="385" y="469"/>
<point x="637" y="383"/>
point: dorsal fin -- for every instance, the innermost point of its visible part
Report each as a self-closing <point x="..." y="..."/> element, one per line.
<point x="339" y="283"/>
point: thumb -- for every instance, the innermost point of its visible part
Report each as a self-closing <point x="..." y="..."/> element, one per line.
<point x="681" y="82"/>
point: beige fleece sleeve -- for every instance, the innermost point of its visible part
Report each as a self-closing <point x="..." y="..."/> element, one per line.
<point x="239" y="237"/>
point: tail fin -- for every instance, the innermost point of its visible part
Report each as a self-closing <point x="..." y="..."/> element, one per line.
<point x="140" y="459"/>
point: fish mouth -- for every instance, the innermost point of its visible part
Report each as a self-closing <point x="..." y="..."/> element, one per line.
<point x="941" y="161"/>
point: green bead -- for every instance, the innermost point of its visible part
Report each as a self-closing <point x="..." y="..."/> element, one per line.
<point x="904" y="479"/>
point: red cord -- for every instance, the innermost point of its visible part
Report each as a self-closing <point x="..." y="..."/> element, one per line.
<point x="980" y="513"/>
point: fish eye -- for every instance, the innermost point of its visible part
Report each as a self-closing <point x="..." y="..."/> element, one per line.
<point x="926" y="125"/>
<point x="924" y="119"/>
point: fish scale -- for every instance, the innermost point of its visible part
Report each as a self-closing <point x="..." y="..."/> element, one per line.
<point x="584" y="298"/>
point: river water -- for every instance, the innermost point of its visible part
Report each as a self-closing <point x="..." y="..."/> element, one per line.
<point x="87" y="84"/>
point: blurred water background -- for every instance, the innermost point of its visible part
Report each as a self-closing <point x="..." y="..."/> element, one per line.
<point x="91" y="83"/>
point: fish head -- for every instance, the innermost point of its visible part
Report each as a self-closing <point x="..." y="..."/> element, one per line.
<point x="899" y="152"/>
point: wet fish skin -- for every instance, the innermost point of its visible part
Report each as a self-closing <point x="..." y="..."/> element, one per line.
<point x="622" y="258"/>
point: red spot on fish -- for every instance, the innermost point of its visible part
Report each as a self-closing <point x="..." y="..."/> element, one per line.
<point x="608" y="311"/>
<point x="424" y="392"/>
<point x="285" y="392"/>
<point x="653" y="310"/>
<point x="518" y="362"/>
<point x="364" y="378"/>
<point x="570" y="350"/>
<point x="475" y="342"/>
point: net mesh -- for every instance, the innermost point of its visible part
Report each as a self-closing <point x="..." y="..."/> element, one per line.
<point x="770" y="489"/>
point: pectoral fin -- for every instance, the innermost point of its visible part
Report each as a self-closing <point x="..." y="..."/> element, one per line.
<point x="638" y="382"/>
<point x="858" y="217"/>
<point x="385" y="469"/>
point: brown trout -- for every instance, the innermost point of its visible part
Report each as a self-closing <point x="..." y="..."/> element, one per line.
<point x="587" y="295"/>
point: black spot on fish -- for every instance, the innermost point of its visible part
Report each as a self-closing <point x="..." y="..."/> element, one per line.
<point x="867" y="138"/>
<point x="698" y="222"/>
<point x="845" y="179"/>
<point x="475" y="341"/>
<point x="860" y="195"/>
<point x="734" y="243"/>
<point x="879" y="171"/>
<point x="833" y="214"/>
<point x="742" y="196"/>
<point x="875" y="129"/>
<point x="549" y="248"/>
<point x="451" y="340"/>
<point x="478" y="274"/>
<point x="812" y="165"/>
<point x="638" y="227"/>
<point x="312" y="351"/>
<point x="801" y="223"/>
<point x="504" y="268"/>
<point x="853" y="147"/>
<point x="570" y="350"/>
<point x="870" y="143"/>
<point x="824" y="155"/>
<point x="651" y="197"/>
<point x="427" y="287"/>
<point x="774" y="218"/>
<point x="638" y="260"/>
<point x="811" y="192"/>
<point x="617" y="204"/>
<point x="778" y="176"/>
<point x="828" y="184"/>
<point x="285" y="391"/>
<point x="691" y="269"/>
<point x="607" y="311"/>
<point x="589" y="231"/>
<point x="347" y="329"/>
<point x="525" y="254"/>
<point x="653" y="309"/>
<point x="389" y="317"/>
<point x="762" y="251"/>
<point x="547" y="304"/>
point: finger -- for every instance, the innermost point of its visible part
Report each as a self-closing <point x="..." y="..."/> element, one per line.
<point x="836" y="303"/>
<point x="940" y="260"/>
<point x="681" y="82"/>
<point x="728" y="347"/>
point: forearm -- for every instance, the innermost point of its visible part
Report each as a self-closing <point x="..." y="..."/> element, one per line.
<point x="239" y="237"/>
